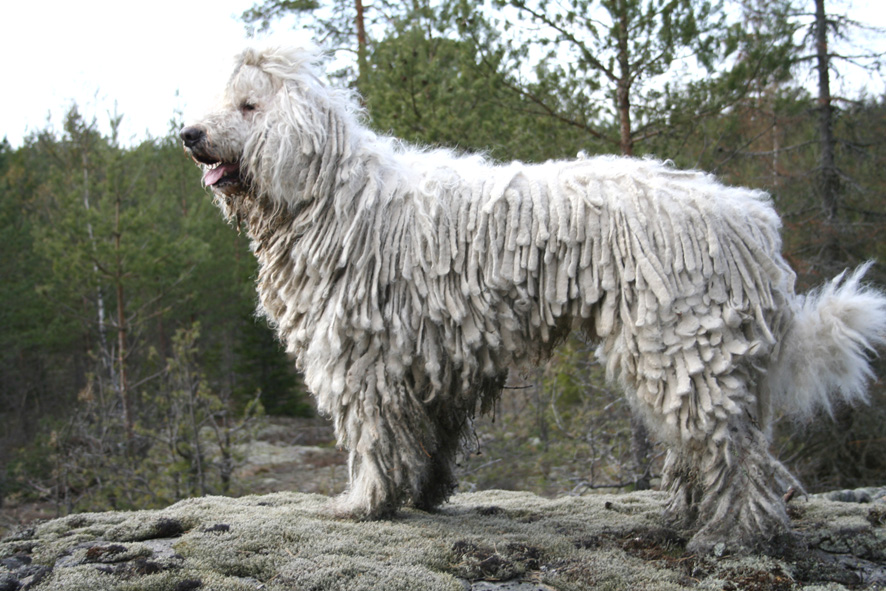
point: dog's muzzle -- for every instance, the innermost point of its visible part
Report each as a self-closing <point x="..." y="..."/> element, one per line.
<point x="217" y="173"/>
<point x="192" y="136"/>
<point x="196" y="144"/>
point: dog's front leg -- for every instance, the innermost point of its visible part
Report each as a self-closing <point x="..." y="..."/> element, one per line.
<point x="390" y="441"/>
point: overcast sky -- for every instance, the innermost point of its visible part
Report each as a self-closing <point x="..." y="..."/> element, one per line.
<point x="150" y="57"/>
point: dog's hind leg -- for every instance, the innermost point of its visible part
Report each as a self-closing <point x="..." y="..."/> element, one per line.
<point x="732" y="489"/>
<point x="723" y="480"/>
<point x="698" y="394"/>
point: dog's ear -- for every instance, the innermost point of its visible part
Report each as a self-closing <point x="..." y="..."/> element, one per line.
<point x="305" y="110"/>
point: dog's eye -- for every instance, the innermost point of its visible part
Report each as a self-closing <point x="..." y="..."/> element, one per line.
<point x="247" y="107"/>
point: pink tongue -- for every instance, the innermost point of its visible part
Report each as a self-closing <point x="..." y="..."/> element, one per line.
<point x="213" y="175"/>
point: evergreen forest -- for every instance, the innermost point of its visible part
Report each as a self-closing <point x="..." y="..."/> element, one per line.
<point x="132" y="364"/>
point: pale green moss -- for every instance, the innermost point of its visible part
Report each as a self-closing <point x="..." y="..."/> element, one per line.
<point x="290" y="541"/>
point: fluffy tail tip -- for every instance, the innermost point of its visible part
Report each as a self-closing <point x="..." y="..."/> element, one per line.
<point x="825" y="353"/>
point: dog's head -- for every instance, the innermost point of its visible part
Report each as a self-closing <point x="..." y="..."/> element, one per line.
<point x="273" y="121"/>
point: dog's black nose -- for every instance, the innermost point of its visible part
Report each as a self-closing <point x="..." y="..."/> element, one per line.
<point x="192" y="136"/>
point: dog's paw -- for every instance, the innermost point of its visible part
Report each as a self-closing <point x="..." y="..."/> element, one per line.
<point x="720" y="541"/>
<point x="348" y="506"/>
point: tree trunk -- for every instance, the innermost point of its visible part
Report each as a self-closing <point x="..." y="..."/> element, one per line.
<point x="122" y="386"/>
<point x="828" y="177"/>
<point x="830" y="180"/>
<point x="104" y="352"/>
<point x="362" y="65"/>
<point x="623" y="88"/>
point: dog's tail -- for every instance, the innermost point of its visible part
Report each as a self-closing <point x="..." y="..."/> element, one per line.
<point x="824" y="356"/>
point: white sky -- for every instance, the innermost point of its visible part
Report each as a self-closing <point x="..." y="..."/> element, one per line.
<point x="154" y="57"/>
<point x="150" y="57"/>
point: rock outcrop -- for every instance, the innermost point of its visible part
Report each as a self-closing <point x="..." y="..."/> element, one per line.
<point x="479" y="541"/>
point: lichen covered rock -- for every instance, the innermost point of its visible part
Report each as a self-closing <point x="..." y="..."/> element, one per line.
<point x="482" y="541"/>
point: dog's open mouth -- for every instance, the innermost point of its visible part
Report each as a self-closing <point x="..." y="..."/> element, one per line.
<point x="221" y="174"/>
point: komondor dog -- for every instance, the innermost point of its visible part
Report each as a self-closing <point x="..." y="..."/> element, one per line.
<point x="405" y="282"/>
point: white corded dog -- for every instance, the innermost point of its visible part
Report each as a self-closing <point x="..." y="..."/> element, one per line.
<point x="405" y="282"/>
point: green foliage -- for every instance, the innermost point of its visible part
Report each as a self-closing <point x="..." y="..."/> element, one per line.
<point x="429" y="90"/>
<point x="429" y="87"/>
<point x="108" y="252"/>
<point x="184" y="443"/>
<point x="612" y="63"/>
<point x="199" y="429"/>
<point x="112" y="256"/>
<point x="261" y="369"/>
<point x="259" y="16"/>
